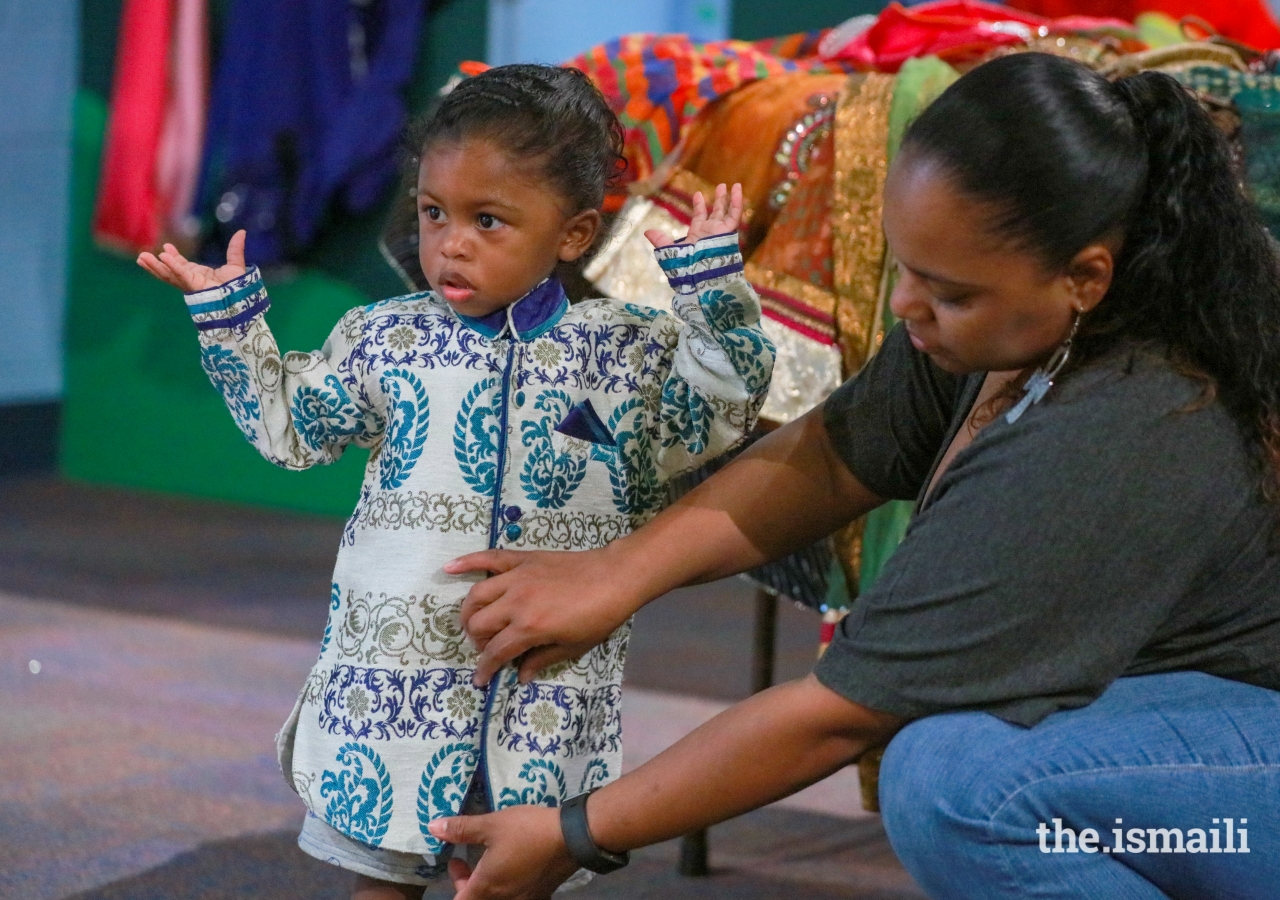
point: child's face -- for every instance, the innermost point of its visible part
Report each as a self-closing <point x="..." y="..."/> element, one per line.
<point x="490" y="229"/>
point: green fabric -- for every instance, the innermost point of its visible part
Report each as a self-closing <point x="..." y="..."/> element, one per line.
<point x="1156" y="29"/>
<point x="138" y="409"/>
<point x="919" y="83"/>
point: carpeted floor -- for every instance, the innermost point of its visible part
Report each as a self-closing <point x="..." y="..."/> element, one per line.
<point x="150" y="647"/>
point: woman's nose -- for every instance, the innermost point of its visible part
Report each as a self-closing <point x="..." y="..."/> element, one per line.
<point x="909" y="300"/>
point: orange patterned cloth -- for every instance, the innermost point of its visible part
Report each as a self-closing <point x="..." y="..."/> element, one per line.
<point x="657" y="84"/>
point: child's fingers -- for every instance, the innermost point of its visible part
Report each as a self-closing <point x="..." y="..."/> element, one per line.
<point x="718" y="206"/>
<point x="159" y="270"/>
<point x="735" y="207"/>
<point x="235" y="249"/>
<point x="658" y="238"/>
<point x="699" y="207"/>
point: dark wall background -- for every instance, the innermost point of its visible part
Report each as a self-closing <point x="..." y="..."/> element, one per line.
<point x="755" y="19"/>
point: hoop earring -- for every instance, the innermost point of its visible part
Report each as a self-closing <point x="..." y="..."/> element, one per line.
<point x="1042" y="378"/>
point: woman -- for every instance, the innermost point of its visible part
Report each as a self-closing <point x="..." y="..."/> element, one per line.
<point x="1077" y="644"/>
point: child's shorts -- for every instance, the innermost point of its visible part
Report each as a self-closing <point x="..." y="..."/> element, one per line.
<point x="324" y="842"/>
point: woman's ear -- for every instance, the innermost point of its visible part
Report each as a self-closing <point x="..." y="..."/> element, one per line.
<point x="579" y="234"/>
<point x="1089" y="276"/>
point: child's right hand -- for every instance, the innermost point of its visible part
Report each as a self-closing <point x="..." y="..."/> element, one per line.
<point x="188" y="277"/>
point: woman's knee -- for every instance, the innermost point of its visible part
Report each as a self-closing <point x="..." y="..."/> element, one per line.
<point x="940" y="783"/>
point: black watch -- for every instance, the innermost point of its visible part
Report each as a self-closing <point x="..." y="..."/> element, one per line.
<point x="582" y="847"/>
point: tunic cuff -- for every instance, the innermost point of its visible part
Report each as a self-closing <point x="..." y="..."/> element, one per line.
<point x="231" y="304"/>
<point x="692" y="267"/>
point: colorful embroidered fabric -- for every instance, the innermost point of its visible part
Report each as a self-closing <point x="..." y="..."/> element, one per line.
<point x="657" y="84"/>
<point x="959" y="31"/>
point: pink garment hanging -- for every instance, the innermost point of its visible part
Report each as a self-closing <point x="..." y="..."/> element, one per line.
<point x="182" y="139"/>
<point x="126" y="214"/>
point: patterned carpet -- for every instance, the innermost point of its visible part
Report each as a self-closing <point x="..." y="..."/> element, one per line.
<point x="141" y="692"/>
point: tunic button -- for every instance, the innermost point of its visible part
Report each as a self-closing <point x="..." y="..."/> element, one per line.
<point x="513" y="532"/>
<point x="513" y="513"/>
<point x="519" y="399"/>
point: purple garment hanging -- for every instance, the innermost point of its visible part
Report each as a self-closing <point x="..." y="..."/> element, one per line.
<point x="306" y="109"/>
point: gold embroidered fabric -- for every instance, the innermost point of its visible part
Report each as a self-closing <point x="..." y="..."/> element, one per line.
<point x="800" y="305"/>
<point x="861" y="140"/>
<point x="1177" y="57"/>
<point x="811" y="373"/>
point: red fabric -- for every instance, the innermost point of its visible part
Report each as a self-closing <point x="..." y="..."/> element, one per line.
<point x="956" y="30"/>
<point x="1247" y="21"/>
<point x="128" y="210"/>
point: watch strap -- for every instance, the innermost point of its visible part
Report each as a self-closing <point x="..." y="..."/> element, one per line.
<point x="581" y="846"/>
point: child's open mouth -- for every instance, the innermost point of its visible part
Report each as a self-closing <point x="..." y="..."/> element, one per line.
<point x="455" y="288"/>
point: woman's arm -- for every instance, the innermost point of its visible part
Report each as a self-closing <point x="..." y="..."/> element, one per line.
<point x="783" y="493"/>
<point x="714" y="773"/>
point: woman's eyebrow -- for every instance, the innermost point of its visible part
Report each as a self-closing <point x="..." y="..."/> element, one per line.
<point x="930" y="276"/>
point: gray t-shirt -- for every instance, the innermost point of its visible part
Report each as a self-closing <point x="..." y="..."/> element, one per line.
<point x="1111" y="530"/>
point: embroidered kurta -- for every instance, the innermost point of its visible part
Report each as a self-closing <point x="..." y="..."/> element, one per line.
<point x="540" y="426"/>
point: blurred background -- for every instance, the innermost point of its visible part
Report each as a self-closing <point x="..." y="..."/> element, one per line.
<point x="163" y="589"/>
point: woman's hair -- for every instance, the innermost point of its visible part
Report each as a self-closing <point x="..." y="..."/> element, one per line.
<point x="548" y="116"/>
<point x="1066" y="158"/>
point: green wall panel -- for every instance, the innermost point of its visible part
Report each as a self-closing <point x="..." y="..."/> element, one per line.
<point x="755" y="19"/>
<point x="138" y="410"/>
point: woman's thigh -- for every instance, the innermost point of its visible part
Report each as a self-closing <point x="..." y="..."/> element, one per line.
<point x="1166" y="786"/>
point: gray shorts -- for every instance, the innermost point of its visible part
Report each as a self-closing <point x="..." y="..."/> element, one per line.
<point x="324" y="842"/>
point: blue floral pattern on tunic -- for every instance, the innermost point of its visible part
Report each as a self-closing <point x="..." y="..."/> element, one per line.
<point x="747" y="348"/>
<point x="633" y="475"/>
<point x="409" y="417"/>
<point x="444" y="788"/>
<point x="686" y="416"/>
<point x="382" y="704"/>
<point x="549" y="477"/>
<point x="595" y="775"/>
<point x="359" y="801"/>
<point x="233" y="380"/>
<point x="475" y="439"/>
<point x="322" y="417"/>
<point x="546" y="786"/>
<point x="335" y="598"/>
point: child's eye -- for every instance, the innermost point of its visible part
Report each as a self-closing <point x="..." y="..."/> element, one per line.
<point x="488" y="221"/>
<point x="434" y="213"/>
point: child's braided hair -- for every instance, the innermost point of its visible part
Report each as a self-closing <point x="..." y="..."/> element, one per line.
<point x="550" y="116"/>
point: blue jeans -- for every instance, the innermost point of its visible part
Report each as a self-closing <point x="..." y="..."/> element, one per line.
<point x="978" y="808"/>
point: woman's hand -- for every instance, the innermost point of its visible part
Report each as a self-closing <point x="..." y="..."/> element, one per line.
<point x="551" y="606"/>
<point x="725" y="216"/>
<point x="525" y="856"/>
<point x="174" y="268"/>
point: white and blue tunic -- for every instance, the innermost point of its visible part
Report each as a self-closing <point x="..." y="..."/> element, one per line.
<point x="541" y="426"/>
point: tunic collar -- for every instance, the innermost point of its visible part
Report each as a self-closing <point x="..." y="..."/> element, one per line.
<point x="533" y="315"/>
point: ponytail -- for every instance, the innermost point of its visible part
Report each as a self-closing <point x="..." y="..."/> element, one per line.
<point x="1198" y="272"/>
<point x="1068" y="159"/>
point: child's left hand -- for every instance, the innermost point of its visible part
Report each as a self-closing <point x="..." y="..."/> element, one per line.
<point x="725" y="215"/>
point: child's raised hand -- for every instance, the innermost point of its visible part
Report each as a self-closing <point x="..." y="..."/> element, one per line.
<point x="172" y="267"/>
<point x="725" y="215"/>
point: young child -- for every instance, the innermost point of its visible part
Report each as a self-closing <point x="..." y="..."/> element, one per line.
<point x="498" y="416"/>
